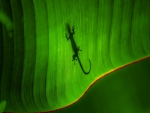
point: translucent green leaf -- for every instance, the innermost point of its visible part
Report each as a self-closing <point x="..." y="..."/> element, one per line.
<point x="2" y="106"/>
<point x="36" y="68"/>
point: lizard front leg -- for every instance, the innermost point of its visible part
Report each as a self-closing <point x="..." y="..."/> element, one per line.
<point x="79" y="49"/>
<point x="67" y="37"/>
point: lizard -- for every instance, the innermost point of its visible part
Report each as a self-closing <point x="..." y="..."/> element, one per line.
<point x="75" y="48"/>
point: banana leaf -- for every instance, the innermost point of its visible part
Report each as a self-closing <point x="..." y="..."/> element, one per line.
<point x="37" y="73"/>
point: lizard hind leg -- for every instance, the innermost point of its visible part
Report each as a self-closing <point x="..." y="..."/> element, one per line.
<point x="73" y="29"/>
<point x="74" y="58"/>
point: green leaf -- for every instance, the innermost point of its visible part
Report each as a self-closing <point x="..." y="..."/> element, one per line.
<point x="36" y="68"/>
<point x="2" y="106"/>
<point x="124" y="91"/>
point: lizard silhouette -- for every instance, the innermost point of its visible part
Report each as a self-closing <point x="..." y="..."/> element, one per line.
<point x="75" y="48"/>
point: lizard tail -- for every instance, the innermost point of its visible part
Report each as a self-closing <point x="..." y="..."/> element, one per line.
<point x="83" y="68"/>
